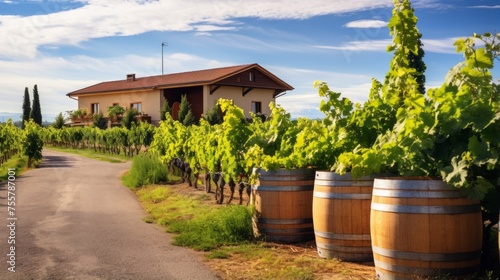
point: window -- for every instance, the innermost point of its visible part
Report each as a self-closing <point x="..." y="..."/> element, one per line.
<point x="94" y="107"/>
<point x="137" y="106"/>
<point x="251" y="77"/>
<point x="256" y="107"/>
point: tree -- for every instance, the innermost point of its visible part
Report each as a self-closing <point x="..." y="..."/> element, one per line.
<point x="33" y="143"/>
<point x="129" y="118"/>
<point x="99" y="121"/>
<point x="416" y="62"/>
<point x="213" y="116"/>
<point x="36" y="111"/>
<point x="26" y="106"/>
<point x="59" y="122"/>
<point x="165" y="108"/>
<point x="186" y="117"/>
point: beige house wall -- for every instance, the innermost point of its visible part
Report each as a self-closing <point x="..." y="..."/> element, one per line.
<point x="265" y="96"/>
<point x="151" y="101"/>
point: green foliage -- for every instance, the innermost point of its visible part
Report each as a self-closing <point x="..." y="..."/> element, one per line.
<point x="397" y="103"/>
<point x="213" y="116"/>
<point x="416" y="61"/>
<point x="26" y="106"/>
<point x="186" y="116"/>
<point x="59" y="121"/>
<point x="271" y="146"/>
<point x="231" y="142"/>
<point x="32" y="143"/>
<point x="129" y="118"/>
<point x="99" y="121"/>
<point x="169" y="139"/>
<point x="36" y="111"/>
<point x="115" y="110"/>
<point x="146" y="169"/>
<point x="76" y="113"/>
<point x="224" y="226"/>
<point x="165" y="108"/>
<point x="11" y="140"/>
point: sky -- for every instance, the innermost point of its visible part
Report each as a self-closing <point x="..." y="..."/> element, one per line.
<point x="65" y="45"/>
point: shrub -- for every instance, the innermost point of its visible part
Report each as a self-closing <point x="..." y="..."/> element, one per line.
<point x="146" y="169"/>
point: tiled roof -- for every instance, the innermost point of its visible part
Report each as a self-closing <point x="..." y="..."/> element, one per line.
<point x="192" y="78"/>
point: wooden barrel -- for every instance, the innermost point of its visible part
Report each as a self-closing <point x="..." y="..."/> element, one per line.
<point x="423" y="228"/>
<point x="283" y="204"/>
<point x="341" y="216"/>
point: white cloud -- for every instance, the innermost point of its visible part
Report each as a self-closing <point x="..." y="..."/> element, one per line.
<point x="103" y="18"/>
<point x="366" y="23"/>
<point x="440" y="46"/>
<point x="304" y="100"/>
<point x="358" y="46"/>
<point x="430" y="45"/>
<point x="485" y="7"/>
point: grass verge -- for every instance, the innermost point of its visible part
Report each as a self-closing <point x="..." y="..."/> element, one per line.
<point x="92" y="154"/>
<point x="195" y="223"/>
<point x="146" y="169"/>
<point x="19" y="162"/>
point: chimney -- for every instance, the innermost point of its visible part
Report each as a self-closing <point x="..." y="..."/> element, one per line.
<point x="130" y="77"/>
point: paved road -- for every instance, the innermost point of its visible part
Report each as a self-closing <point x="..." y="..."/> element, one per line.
<point x="76" y="221"/>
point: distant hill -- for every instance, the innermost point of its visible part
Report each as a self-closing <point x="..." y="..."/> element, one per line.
<point x="4" y="116"/>
<point x="16" y="118"/>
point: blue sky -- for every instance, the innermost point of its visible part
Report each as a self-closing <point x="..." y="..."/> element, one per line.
<point x="63" y="46"/>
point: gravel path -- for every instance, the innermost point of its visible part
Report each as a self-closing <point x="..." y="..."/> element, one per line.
<point x="76" y="221"/>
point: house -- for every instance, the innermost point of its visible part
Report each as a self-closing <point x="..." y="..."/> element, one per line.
<point x="250" y="86"/>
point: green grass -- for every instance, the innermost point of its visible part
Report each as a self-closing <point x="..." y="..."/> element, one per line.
<point x="146" y="169"/>
<point x="196" y="224"/>
<point x="208" y="230"/>
<point x="20" y="163"/>
<point x="92" y="154"/>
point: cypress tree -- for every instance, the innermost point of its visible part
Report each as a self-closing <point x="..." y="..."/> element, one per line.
<point x="165" y="108"/>
<point x="186" y="117"/>
<point x="26" y="106"/>
<point x="212" y="116"/>
<point x="36" y="111"/>
<point x="59" y="122"/>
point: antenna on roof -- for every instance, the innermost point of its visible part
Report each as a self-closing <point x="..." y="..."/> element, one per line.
<point x="162" y="45"/>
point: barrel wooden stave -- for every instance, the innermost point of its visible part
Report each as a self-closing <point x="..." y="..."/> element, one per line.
<point x="423" y="228"/>
<point x="283" y="203"/>
<point x="341" y="215"/>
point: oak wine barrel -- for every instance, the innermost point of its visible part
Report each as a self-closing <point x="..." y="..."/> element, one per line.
<point x="341" y="216"/>
<point x="283" y="204"/>
<point x="421" y="227"/>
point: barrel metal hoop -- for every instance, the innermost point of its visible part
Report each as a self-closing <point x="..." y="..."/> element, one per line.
<point x="360" y="196"/>
<point x="282" y="221"/>
<point x="349" y="249"/>
<point x="286" y="230"/>
<point x="283" y="188"/>
<point x="419" y="270"/>
<point x="431" y="257"/>
<point x="355" y="183"/>
<point x="402" y="184"/>
<point x="416" y="194"/>
<point x="426" y="209"/>
<point x="342" y="236"/>
<point x="298" y="177"/>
